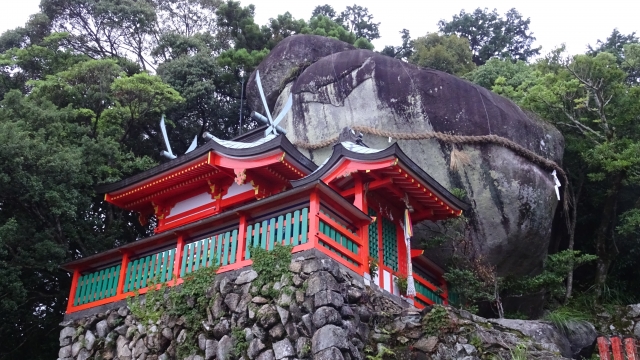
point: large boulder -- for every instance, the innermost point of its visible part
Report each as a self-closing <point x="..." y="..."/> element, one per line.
<point x="543" y="333"/>
<point x="513" y="200"/>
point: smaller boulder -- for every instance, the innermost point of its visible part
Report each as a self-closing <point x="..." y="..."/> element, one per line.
<point x="283" y="349"/>
<point x="268" y="316"/>
<point x="328" y="297"/>
<point x="326" y="315"/>
<point x="225" y="346"/>
<point x="266" y="355"/>
<point x="246" y="277"/>
<point x="331" y="353"/>
<point x="327" y="337"/>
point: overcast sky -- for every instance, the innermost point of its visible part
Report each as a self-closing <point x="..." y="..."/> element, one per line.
<point x="577" y="24"/>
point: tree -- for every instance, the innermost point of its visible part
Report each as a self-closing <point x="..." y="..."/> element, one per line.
<point x="618" y="45"/>
<point x="504" y="77"/>
<point x="403" y="51"/>
<point x="358" y="20"/>
<point x="588" y="98"/>
<point x="325" y="10"/>
<point x="60" y="139"/>
<point x="490" y="35"/>
<point x="447" y="53"/>
<point x="105" y="28"/>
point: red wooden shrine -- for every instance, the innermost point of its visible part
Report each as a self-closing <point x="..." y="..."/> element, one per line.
<point x="212" y="205"/>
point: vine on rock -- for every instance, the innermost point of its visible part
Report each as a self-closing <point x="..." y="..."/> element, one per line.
<point x="188" y="301"/>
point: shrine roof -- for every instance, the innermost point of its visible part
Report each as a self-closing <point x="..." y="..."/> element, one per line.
<point x="356" y="152"/>
<point x="235" y="149"/>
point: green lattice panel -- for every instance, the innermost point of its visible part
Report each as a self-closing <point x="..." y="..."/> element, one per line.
<point x="153" y="268"/>
<point x="286" y="229"/>
<point x="217" y="250"/>
<point x="428" y="293"/>
<point x="454" y="298"/>
<point x="389" y="244"/>
<point x="338" y="238"/>
<point x="373" y="236"/>
<point x="97" y="285"/>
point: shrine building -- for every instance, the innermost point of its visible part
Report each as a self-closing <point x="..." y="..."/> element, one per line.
<point x="214" y="204"/>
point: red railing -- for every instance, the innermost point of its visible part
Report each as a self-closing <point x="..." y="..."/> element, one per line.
<point x="168" y="260"/>
<point x="616" y="351"/>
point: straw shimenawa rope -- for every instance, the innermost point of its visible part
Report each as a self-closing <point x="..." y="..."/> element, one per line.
<point x="458" y="139"/>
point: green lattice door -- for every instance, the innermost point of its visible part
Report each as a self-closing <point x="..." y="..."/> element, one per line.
<point x="373" y="236"/>
<point x="389" y="244"/>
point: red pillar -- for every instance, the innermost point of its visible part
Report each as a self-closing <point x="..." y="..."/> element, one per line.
<point x="314" y="222"/>
<point x="380" y="251"/>
<point x="242" y="238"/>
<point x="123" y="273"/>
<point x="363" y="230"/>
<point x="177" y="262"/>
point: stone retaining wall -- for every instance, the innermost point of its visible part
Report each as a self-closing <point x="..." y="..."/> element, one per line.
<point x="321" y="312"/>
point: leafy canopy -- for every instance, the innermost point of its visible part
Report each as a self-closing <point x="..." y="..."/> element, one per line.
<point x="491" y="35"/>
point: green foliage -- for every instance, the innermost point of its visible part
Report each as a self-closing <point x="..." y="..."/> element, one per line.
<point x="373" y="267"/>
<point x="325" y="26"/>
<point x="403" y="51"/>
<point x="401" y="283"/>
<point x="504" y="77"/>
<point x="382" y="354"/>
<point x="564" y="315"/>
<point x="516" y="315"/>
<point x="551" y="279"/>
<point x="270" y="265"/>
<point x="448" y="53"/>
<point x="519" y="352"/>
<point x="240" y="344"/>
<point x="459" y="193"/>
<point x="189" y="300"/>
<point x="437" y="322"/>
<point x="359" y="21"/>
<point x="150" y="308"/>
<point x="363" y="43"/>
<point x="469" y="286"/>
<point x="491" y="35"/>
<point x="325" y="10"/>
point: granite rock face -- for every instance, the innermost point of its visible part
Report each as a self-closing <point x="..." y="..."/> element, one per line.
<point x="513" y="200"/>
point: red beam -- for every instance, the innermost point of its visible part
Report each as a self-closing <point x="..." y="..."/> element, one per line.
<point x="372" y="186"/>
<point x="74" y="287"/>
<point x="328" y="241"/>
<point x="231" y="163"/>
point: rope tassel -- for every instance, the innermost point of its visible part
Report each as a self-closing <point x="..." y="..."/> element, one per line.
<point x="408" y="233"/>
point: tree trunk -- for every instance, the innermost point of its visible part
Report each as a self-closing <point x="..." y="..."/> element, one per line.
<point x="603" y="251"/>
<point x="572" y="233"/>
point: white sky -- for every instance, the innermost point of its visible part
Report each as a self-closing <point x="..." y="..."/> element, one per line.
<point x="552" y="22"/>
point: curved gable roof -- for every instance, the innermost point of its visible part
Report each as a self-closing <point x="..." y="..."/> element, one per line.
<point x="226" y="147"/>
<point x="360" y="153"/>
